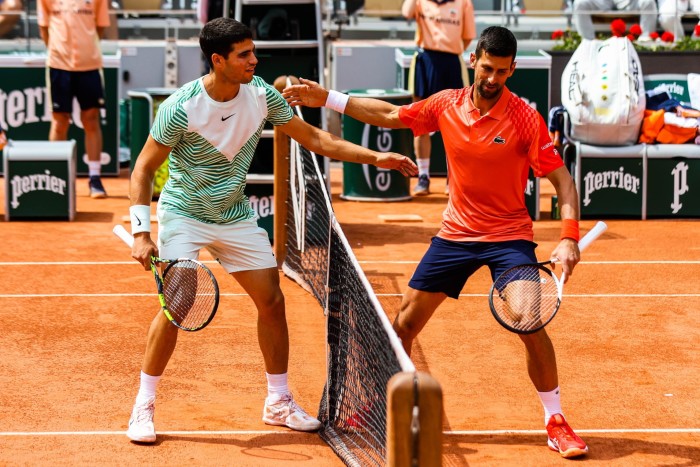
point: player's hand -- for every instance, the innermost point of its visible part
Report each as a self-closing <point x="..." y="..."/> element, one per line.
<point x="568" y="255"/>
<point x="308" y="93"/>
<point x="144" y="249"/>
<point x="392" y="160"/>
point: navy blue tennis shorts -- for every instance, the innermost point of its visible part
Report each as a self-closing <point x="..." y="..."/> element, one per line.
<point x="447" y="265"/>
<point x="86" y="86"/>
<point x="436" y="71"/>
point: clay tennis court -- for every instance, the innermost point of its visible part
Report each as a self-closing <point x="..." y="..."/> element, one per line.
<point x="76" y="309"/>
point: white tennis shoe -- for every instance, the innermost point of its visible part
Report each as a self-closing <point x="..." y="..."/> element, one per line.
<point x="286" y="412"/>
<point x="141" y="428"/>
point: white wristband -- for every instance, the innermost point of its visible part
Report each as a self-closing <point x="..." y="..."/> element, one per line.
<point x="140" y="218"/>
<point x="337" y="101"/>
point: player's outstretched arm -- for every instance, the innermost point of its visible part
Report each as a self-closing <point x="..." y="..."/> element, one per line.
<point x="326" y="144"/>
<point x="367" y="110"/>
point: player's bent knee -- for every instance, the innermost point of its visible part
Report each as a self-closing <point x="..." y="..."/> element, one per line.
<point x="406" y="330"/>
<point x="163" y="324"/>
<point x="61" y="121"/>
<point x="272" y="307"/>
<point x="90" y="121"/>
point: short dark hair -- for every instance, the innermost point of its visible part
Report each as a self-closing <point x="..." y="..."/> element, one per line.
<point x="218" y="35"/>
<point x="497" y="41"/>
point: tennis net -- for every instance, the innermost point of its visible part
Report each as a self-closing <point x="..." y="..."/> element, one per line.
<point x="363" y="350"/>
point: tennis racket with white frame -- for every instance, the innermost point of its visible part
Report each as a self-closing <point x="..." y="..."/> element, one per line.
<point x="525" y="298"/>
<point x="188" y="291"/>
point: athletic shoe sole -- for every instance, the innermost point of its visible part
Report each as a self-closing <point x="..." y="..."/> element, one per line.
<point x="569" y="453"/>
<point x="308" y="429"/>
<point x="141" y="439"/>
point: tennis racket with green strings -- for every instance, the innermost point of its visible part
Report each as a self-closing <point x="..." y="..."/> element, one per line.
<point x="525" y="298"/>
<point x="187" y="290"/>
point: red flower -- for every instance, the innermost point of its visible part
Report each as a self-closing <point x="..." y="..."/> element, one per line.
<point x="667" y="36"/>
<point x="631" y="37"/>
<point x="636" y="30"/>
<point x="696" y="31"/>
<point x="558" y="34"/>
<point x="654" y="35"/>
<point x="618" y="27"/>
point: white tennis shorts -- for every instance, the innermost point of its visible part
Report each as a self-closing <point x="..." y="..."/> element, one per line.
<point x="241" y="246"/>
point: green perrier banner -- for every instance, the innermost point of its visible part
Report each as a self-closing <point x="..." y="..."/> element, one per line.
<point x="611" y="187"/>
<point x="673" y="186"/>
<point x="40" y="179"/>
<point x="532" y="196"/>
<point x="365" y="182"/>
<point x="262" y="200"/>
<point x="52" y="200"/>
<point x="25" y="107"/>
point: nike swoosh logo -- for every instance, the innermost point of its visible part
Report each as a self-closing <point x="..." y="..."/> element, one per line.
<point x="137" y="219"/>
<point x="223" y="119"/>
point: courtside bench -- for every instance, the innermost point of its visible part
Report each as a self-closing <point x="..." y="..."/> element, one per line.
<point x="641" y="180"/>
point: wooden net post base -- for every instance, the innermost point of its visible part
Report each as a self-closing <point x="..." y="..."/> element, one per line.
<point x="414" y="420"/>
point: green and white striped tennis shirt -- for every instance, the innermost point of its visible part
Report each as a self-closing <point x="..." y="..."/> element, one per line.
<point x="213" y="144"/>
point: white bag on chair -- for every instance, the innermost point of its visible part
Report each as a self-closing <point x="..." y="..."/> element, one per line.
<point x="694" y="90"/>
<point x="603" y="91"/>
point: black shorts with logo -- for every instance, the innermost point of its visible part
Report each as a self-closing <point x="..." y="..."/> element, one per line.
<point x="435" y="71"/>
<point x="447" y="264"/>
<point x="86" y="86"/>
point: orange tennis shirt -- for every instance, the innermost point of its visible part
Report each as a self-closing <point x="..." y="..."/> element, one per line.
<point x="488" y="159"/>
<point x="73" y="40"/>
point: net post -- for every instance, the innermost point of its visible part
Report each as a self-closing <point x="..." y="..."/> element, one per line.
<point x="414" y="420"/>
<point x="280" y="191"/>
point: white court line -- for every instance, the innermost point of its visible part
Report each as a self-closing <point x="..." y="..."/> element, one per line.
<point x="52" y="295"/>
<point x="108" y="263"/>
<point x="287" y="432"/>
<point x="123" y="433"/>
<point x="640" y="262"/>
<point x="582" y="262"/>
<point x="589" y="431"/>
<point x="470" y="295"/>
<point x="612" y="295"/>
<point x="77" y="263"/>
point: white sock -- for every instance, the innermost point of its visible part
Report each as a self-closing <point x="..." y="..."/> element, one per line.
<point x="551" y="401"/>
<point x="94" y="168"/>
<point x="276" y="387"/>
<point x="423" y="166"/>
<point x="147" y="388"/>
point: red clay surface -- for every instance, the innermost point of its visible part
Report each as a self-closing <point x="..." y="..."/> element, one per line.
<point x="626" y="338"/>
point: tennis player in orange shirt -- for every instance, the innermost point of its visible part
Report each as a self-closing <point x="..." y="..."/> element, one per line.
<point x="492" y="138"/>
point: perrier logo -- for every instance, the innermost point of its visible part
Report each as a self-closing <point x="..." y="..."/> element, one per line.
<point x="35" y="182"/>
<point x="594" y="181"/>
<point x="680" y="185"/>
